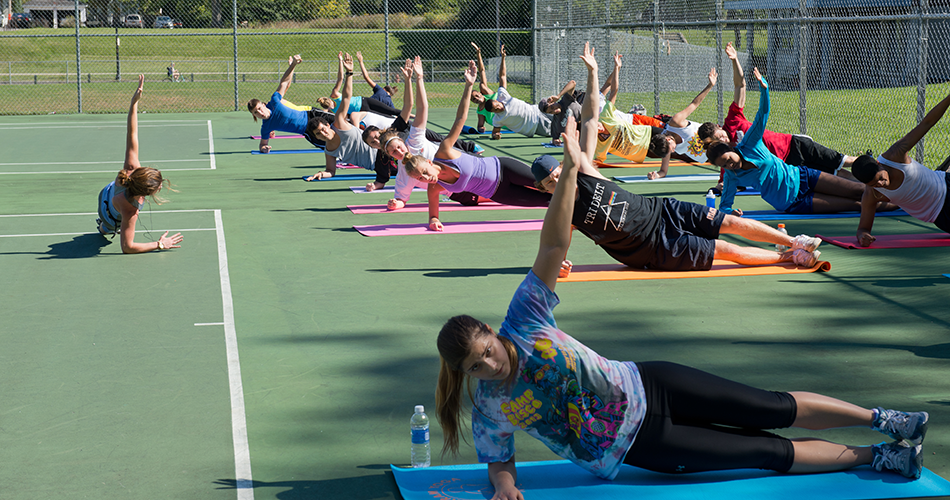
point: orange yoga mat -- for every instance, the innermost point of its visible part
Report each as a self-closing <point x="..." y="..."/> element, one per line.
<point x="720" y="268"/>
<point x="648" y="164"/>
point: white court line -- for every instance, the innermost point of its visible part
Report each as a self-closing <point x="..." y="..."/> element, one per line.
<point x="94" y="213"/>
<point x="143" y="231"/>
<point x="123" y="122"/>
<point x="220" y="323"/>
<point x="105" y="162"/>
<point x="211" y="144"/>
<point x="47" y="127"/>
<point x="101" y="171"/>
<point x="242" y="453"/>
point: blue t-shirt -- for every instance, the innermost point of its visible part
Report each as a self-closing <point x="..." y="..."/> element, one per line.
<point x="382" y="96"/>
<point x="582" y="406"/>
<point x="356" y="104"/>
<point x="777" y="180"/>
<point x="284" y="117"/>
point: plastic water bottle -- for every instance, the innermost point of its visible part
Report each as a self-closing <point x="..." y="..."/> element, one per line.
<point x="419" y="423"/>
<point x="781" y="248"/>
<point x="710" y="199"/>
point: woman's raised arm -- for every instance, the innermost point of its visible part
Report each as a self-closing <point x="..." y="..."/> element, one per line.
<point x="132" y="130"/>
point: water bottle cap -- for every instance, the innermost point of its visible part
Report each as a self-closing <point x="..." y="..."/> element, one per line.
<point x="420" y="409"/>
<point x="781" y="225"/>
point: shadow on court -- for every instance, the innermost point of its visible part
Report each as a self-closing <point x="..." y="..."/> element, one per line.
<point x="467" y="272"/>
<point x="82" y="246"/>
<point x="352" y="488"/>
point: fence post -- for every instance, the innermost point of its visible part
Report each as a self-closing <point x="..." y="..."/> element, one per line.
<point x="803" y="67"/>
<point x="656" y="56"/>
<point x="922" y="47"/>
<point x="534" y="52"/>
<point x="385" y="37"/>
<point x="237" y="96"/>
<point x="78" y="54"/>
<point x="719" y="26"/>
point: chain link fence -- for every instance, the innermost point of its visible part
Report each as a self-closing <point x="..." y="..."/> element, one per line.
<point x="853" y="74"/>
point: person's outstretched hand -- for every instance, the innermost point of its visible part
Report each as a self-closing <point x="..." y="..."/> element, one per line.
<point x="294" y="60"/>
<point x="713" y="77"/>
<point x="588" y="57"/>
<point x="471" y="72"/>
<point x="138" y="92"/>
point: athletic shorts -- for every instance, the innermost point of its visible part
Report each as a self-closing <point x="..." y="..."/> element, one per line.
<point x="943" y="218"/>
<point x="687" y="236"/>
<point x="696" y="421"/>
<point x="807" y="180"/>
<point x="803" y="151"/>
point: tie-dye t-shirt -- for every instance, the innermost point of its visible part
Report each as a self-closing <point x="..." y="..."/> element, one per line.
<point x="582" y="406"/>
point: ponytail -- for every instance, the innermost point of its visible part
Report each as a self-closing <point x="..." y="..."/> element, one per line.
<point x="143" y="181"/>
<point x="326" y="103"/>
<point x="448" y="404"/>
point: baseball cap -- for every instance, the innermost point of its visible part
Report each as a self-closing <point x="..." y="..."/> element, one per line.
<point x="543" y="105"/>
<point x="543" y="166"/>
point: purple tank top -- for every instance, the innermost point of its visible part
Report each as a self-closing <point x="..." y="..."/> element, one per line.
<point x="478" y="175"/>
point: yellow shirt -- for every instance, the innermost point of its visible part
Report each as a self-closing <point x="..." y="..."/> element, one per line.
<point x="626" y="140"/>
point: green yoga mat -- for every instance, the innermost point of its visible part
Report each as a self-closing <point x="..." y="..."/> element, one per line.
<point x="562" y="480"/>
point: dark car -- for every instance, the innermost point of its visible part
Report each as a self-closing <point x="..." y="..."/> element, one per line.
<point x="176" y="23"/>
<point x="22" y="20"/>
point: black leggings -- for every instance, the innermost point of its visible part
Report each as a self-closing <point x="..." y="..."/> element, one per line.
<point x="516" y="185"/>
<point x="696" y="421"/>
<point x="370" y="104"/>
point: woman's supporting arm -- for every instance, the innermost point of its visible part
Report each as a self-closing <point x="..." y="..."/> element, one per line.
<point x="503" y="477"/>
<point x="866" y="223"/>
<point x="432" y="194"/>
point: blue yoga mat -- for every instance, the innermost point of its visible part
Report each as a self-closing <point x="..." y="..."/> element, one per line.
<point x="351" y="177"/>
<point x="551" y="145"/>
<point x="761" y="215"/>
<point x="468" y="129"/>
<point x="289" y="151"/>
<point x="562" y="480"/>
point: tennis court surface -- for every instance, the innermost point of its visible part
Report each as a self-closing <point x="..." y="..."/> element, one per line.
<point x="279" y="353"/>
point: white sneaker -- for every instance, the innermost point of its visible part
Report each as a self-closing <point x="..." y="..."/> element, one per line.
<point x="804" y="258"/>
<point x="808" y="243"/>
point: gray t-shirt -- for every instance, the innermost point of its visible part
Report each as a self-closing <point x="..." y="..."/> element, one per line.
<point x="353" y="150"/>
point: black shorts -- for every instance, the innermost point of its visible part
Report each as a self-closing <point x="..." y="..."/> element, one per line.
<point x="804" y="152"/>
<point x="687" y="236"/>
<point x="696" y="421"/>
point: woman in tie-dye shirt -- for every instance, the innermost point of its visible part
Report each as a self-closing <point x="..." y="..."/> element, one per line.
<point x="601" y="414"/>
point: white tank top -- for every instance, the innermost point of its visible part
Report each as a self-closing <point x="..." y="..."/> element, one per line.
<point x="922" y="193"/>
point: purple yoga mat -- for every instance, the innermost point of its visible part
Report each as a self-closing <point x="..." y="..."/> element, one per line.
<point x="497" y="226"/>
<point x="424" y="207"/>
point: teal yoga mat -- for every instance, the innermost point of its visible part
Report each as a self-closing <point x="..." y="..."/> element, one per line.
<point x="562" y="480"/>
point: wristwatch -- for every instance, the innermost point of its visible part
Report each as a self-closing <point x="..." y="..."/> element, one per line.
<point x="161" y="246"/>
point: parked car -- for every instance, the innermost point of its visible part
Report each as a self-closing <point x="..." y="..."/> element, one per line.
<point x="176" y="23"/>
<point x="163" y="22"/>
<point x="22" y="20"/>
<point x="132" y="21"/>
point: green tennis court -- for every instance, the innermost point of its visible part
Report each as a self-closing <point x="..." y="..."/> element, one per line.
<point x="279" y="354"/>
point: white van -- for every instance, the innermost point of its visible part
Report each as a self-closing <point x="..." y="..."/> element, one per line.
<point x="132" y="21"/>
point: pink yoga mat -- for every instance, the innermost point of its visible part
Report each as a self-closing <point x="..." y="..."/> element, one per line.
<point x="424" y="207"/>
<point x="497" y="226"/>
<point x="892" y="241"/>
<point x="295" y="136"/>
